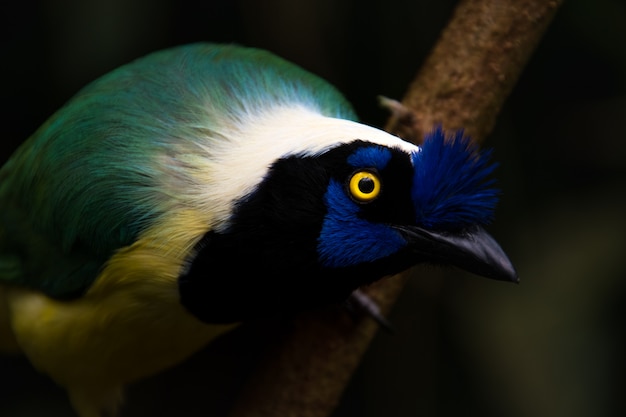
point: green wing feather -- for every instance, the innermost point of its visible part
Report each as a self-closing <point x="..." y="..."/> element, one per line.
<point x="87" y="182"/>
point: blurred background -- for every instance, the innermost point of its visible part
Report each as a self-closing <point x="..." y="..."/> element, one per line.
<point x="555" y="345"/>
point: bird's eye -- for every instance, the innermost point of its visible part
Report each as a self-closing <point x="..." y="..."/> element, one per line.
<point x="364" y="186"/>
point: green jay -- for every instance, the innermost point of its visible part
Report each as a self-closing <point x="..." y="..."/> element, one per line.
<point x="205" y="185"/>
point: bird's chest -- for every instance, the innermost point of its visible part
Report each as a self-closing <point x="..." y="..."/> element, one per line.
<point x="128" y="325"/>
<point x="118" y="339"/>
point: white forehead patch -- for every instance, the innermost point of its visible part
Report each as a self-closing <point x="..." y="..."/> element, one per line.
<point x="298" y="131"/>
<point x="242" y="157"/>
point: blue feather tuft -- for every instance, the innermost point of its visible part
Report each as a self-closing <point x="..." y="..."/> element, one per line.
<point x="372" y="156"/>
<point x="452" y="188"/>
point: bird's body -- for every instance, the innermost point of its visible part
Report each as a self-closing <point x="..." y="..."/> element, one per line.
<point x="192" y="189"/>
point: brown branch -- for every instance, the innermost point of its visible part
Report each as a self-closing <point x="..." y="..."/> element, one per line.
<point x="474" y="66"/>
<point x="463" y="83"/>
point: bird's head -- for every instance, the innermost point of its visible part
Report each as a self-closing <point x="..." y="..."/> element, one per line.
<point x="339" y="208"/>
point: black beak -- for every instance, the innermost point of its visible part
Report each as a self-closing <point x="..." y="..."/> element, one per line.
<point x="472" y="250"/>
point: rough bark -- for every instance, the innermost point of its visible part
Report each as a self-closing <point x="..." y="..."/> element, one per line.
<point x="474" y="66"/>
<point x="463" y="84"/>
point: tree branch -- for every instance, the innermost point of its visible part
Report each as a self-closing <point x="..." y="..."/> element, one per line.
<point x="474" y="66"/>
<point x="463" y="84"/>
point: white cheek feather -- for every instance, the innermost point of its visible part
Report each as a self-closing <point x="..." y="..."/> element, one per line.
<point x="241" y="157"/>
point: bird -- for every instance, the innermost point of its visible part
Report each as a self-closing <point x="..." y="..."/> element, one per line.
<point x="205" y="185"/>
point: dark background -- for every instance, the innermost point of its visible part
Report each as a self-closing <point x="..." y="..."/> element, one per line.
<point x="553" y="346"/>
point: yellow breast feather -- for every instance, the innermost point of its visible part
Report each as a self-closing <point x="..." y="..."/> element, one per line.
<point x="128" y="325"/>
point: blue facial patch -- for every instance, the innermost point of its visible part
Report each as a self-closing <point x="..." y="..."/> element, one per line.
<point x="371" y="156"/>
<point x="347" y="240"/>
<point x="451" y="184"/>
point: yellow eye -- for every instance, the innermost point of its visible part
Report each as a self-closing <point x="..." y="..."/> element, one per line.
<point x="364" y="186"/>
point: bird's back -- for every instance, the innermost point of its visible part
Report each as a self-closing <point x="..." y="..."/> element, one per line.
<point x="115" y="158"/>
<point x="101" y="206"/>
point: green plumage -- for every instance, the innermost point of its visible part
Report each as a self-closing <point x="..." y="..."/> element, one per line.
<point x="90" y="180"/>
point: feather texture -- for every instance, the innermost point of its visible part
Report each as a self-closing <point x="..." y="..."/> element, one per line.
<point x="112" y="162"/>
<point x="109" y="197"/>
<point x="452" y="188"/>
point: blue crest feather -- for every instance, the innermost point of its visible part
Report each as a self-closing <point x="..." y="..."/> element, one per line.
<point x="451" y="186"/>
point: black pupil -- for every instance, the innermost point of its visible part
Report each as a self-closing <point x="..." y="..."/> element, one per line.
<point x="366" y="185"/>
